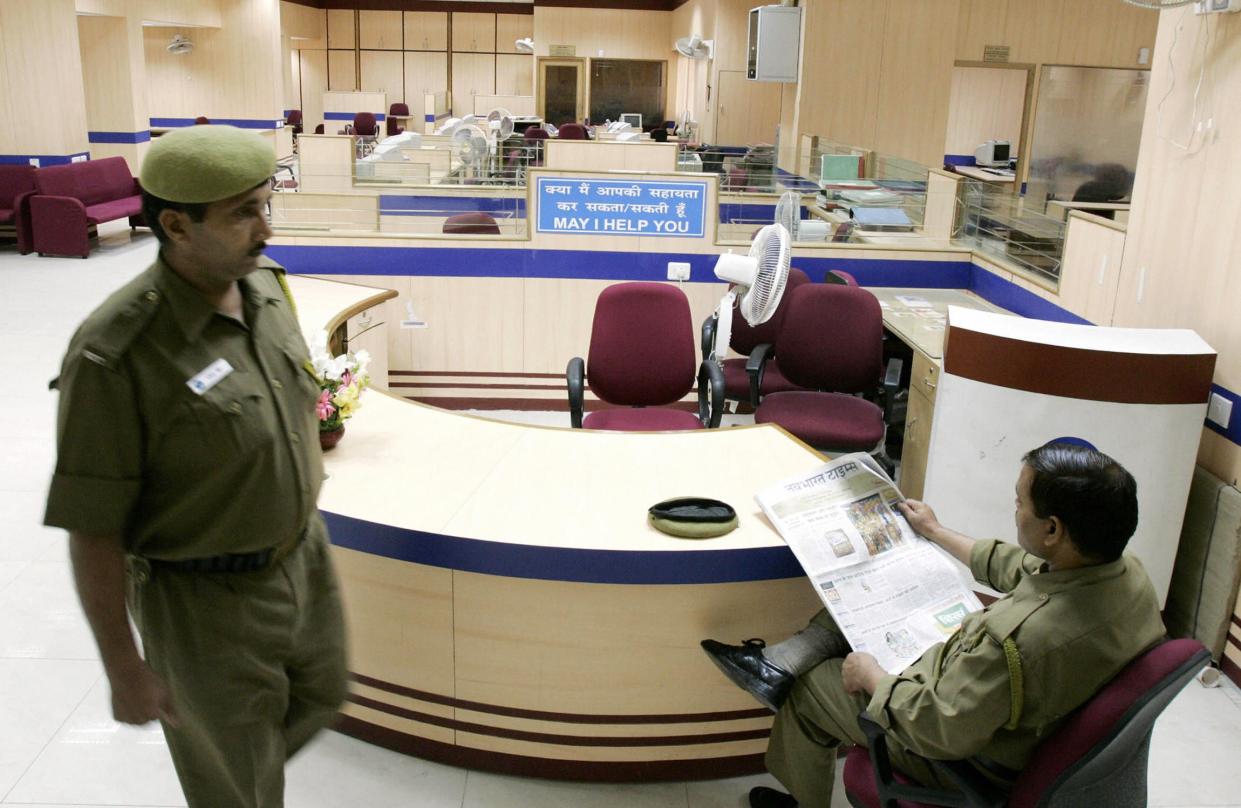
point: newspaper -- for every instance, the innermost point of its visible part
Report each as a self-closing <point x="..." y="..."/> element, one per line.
<point x="893" y="593"/>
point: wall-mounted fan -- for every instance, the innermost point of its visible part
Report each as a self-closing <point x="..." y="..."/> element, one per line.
<point x="695" y="47"/>
<point x="180" y="45"/>
<point x="759" y="279"/>
<point x="524" y="45"/>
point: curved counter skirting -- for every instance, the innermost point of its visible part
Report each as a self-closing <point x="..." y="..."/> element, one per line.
<point x="510" y="609"/>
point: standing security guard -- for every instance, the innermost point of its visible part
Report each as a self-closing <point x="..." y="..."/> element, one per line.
<point x="187" y="473"/>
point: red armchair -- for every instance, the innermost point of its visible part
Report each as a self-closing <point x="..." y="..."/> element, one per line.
<point x="17" y="185"/>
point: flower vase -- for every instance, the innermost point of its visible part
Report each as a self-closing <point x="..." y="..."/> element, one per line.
<point x="329" y="439"/>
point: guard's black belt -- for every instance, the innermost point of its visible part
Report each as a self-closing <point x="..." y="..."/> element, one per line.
<point x="230" y="562"/>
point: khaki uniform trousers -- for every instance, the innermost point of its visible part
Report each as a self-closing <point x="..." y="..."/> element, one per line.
<point x="255" y="664"/>
<point x="812" y="724"/>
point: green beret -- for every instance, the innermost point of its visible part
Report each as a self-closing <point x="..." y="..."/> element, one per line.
<point x="206" y="164"/>
<point x="693" y="517"/>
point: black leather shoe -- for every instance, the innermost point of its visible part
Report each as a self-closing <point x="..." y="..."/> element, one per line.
<point x="749" y="670"/>
<point x="764" y="797"/>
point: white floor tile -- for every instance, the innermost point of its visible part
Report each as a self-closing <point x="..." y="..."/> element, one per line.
<point x="487" y="790"/>
<point x="40" y="616"/>
<point x="335" y="770"/>
<point x="94" y="760"/>
<point x="1194" y="750"/>
<point x="36" y="696"/>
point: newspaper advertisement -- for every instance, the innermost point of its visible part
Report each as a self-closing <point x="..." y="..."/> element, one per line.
<point x="892" y="592"/>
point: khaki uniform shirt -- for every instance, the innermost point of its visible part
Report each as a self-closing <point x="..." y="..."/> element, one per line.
<point x="180" y="475"/>
<point x="1017" y="668"/>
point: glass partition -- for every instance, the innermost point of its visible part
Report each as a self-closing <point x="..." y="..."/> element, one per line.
<point x="627" y="87"/>
<point x="1009" y="228"/>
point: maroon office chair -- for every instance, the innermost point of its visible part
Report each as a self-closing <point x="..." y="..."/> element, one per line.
<point x="844" y="232"/>
<point x="642" y="360"/>
<point x="319" y="129"/>
<point x="1097" y="757"/>
<point x="294" y="121"/>
<point x="201" y="120"/>
<point x="758" y="374"/>
<point x="572" y="131"/>
<point x="471" y="223"/>
<point x="534" y="137"/>
<point x="839" y="276"/>
<point x="17" y="185"/>
<point x="364" y="125"/>
<point x="738" y="179"/>
<point x="831" y="344"/>
<point x="392" y="127"/>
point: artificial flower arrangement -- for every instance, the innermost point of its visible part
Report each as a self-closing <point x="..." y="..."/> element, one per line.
<point x="341" y="379"/>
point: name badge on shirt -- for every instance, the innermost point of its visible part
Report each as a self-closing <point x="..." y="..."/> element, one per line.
<point x="209" y="376"/>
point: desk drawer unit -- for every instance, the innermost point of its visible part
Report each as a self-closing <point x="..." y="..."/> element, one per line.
<point x="924" y="376"/>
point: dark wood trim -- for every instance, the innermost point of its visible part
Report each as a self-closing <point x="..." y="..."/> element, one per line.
<point x="563" y="718"/>
<point x="627" y="5"/>
<point x="1093" y="375"/>
<point x="524" y="766"/>
<point x="420" y="5"/>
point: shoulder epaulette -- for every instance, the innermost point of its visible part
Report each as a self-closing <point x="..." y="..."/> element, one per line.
<point x="109" y="332"/>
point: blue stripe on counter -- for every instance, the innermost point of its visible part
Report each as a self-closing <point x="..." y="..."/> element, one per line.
<point x="482" y="262"/>
<point x="240" y="123"/>
<point x="1016" y="299"/>
<point x="119" y="137"/>
<point x="959" y="160"/>
<point x="348" y="116"/>
<point x="42" y="159"/>
<point x="563" y="564"/>
<point x="398" y="205"/>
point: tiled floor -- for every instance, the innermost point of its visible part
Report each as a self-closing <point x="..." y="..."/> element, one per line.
<point x="60" y="747"/>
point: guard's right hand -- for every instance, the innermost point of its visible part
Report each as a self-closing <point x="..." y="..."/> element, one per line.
<point x="920" y="516"/>
<point x="139" y="696"/>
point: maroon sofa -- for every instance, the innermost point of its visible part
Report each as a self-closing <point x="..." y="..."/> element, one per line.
<point x="16" y="187"/>
<point x="71" y="198"/>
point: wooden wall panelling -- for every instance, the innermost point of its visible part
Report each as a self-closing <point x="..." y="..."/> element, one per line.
<point x="292" y="74"/>
<point x="106" y="74"/>
<point x="202" y="13"/>
<point x="426" y="30"/>
<point x="472" y="73"/>
<point x="916" y="79"/>
<point x="747" y="111"/>
<point x="342" y="70"/>
<point x="341" y="31"/>
<point x="487" y="338"/>
<point x="425" y="72"/>
<point x="313" y="64"/>
<point x="1106" y="34"/>
<point x="514" y="74"/>
<point x="510" y="28"/>
<point x="985" y="103"/>
<point x="842" y="109"/>
<point x="473" y="32"/>
<point x="1090" y="268"/>
<point x="307" y="25"/>
<point x="1032" y="29"/>
<point x="379" y="30"/>
<point x="980" y="23"/>
<point x="620" y="34"/>
<point x="383" y="71"/>
<point x="41" y="70"/>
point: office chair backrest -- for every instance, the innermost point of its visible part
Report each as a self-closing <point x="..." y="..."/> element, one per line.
<point x="364" y="124"/>
<point x="832" y="339"/>
<point x="474" y="222"/>
<point x="294" y="119"/>
<point x="746" y="337"/>
<point x="572" y="131"/>
<point x="641" y="345"/>
<point x="843" y="231"/>
<point x="536" y="133"/>
<point x="839" y="276"/>
<point x="201" y="119"/>
<point x="319" y="129"/>
<point x="14" y="181"/>
<point x="1099" y="756"/>
<point x="393" y="127"/>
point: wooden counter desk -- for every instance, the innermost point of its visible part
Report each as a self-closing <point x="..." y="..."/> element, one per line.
<point x="509" y="608"/>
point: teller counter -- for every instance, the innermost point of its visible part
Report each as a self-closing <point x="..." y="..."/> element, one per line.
<point x="510" y="609"/>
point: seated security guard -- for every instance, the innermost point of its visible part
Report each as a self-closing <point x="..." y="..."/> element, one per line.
<point x="1074" y="614"/>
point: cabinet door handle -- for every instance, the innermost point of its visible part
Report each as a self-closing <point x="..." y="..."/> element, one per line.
<point x="930" y="385"/>
<point x="909" y="424"/>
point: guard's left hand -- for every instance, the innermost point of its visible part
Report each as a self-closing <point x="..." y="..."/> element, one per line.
<point x="861" y="673"/>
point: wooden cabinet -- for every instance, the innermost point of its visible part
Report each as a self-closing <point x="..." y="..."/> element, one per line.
<point x="924" y="376"/>
<point x="379" y="30"/>
<point x="425" y="72"/>
<point x="340" y="29"/>
<point x="472" y="74"/>
<point x="510" y="28"/>
<point x="426" y="30"/>
<point x="383" y="72"/>
<point x="473" y="32"/>
<point x="514" y="74"/>
<point x="342" y="70"/>
<point x="917" y="445"/>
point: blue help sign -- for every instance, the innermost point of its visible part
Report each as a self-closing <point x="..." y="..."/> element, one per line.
<point x="621" y="207"/>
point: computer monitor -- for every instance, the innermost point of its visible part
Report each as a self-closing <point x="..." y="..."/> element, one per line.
<point x="993" y="154"/>
<point x="634" y="119"/>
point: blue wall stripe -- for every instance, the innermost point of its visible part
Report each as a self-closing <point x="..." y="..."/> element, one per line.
<point x="1233" y="430"/>
<point x="398" y="205"/>
<point x="240" y="123"/>
<point x="44" y="159"/>
<point x="563" y="564"/>
<point x="1009" y="295"/>
<point x="119" y="137"/>
<point x="959" y="160"/>
<point x="348" y="116"/>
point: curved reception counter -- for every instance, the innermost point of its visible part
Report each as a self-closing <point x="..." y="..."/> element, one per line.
<point x="509" y="607"/>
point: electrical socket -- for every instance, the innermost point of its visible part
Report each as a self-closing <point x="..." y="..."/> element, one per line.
<point x="678" y="270"/>
<point x="1219" y="410"/>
